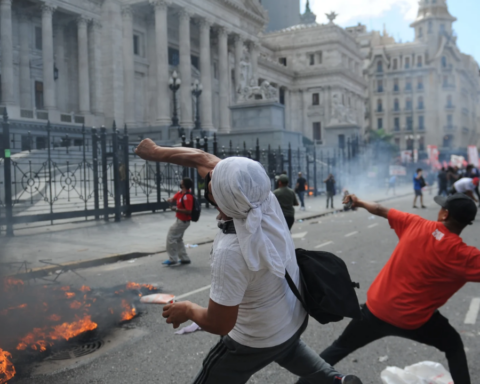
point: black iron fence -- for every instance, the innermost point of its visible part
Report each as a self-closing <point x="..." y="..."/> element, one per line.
<point x="96" y="174"/>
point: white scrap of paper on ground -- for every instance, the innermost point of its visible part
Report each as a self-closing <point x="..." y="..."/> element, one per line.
<point x="158" y="298"/>
<point x="420" y="373"/>
<point x="189" y="329"/>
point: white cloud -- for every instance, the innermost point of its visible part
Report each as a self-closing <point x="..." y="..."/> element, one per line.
<point x="350" y="11"/>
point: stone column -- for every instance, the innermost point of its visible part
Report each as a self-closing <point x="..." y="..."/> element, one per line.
<point x="206" y="112"/>
<point x="239" y="43"/>
<point x="254" y="53"/>
<point x="161" y="39"/>
<point x="96" y="77"/>
<point x="49" y="100"/>
<point x="128" y="66"/>
<point x="7" y="51"/>
<point x="25" y="81"/>
<point x="223" y="79"/>
<point x="186" y="120"/>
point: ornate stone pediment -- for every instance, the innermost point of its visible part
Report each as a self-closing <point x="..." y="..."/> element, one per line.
<point x="251" y="8"/>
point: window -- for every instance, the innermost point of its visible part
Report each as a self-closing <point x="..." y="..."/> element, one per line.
<point x="317" y="131"/>
<point x="39" y="95"/>
<point x="380" y="123"/>
<point x="449" y="101"/>
<point x="173" y="56"/>
<point x="41" y="142"/>
<point x="379" y="66"/>
<point x="396" y="86"/>
<point x="409" y="144"/>
<point x="379" y="105"/>
<point x="420" y="103"/>
<point x="312" y="59"/>
<point x="395" y="64"/>
<point x="408" y="104"/>
<point x="448" y="141"/>
<point x="379" y="86"/>
<point x="445" y="81"/>
<point x="450" y="120"/>
<point x="409" y="123"/>
<point x="341" y="141"/>
<point x="442" y="28"/>
<point x="444" y="62"/>
<point x="421" y="143"/>
<point x="282" y="96"/>
<point x="195" y="62"/>
<point x="420" y="83"/>
<point x="408" y="84"/>
<point x="38" y="38"/>
<point x="407" y="62"/>
<point x="419" y="61"/>
<point x="396" y="105"/>
<point x="26" y="142"/>
<point x="136" y="45"/>
<point x="283" y="61"/>
<point x="316" y="99"/>
<point x="396" y="124"/>
<point x="430" y="27"/>
<point x="421" y="123"/>
<point x="420" y="32"/>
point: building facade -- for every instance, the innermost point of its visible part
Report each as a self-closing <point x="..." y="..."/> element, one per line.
<point x="424" y="92"/>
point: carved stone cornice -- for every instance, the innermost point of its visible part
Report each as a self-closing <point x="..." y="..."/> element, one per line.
<point x="160" y="5"/>
<point x="203" y="22"/>
<point x="222" y="31"/>
<point x="47" y="8"/>
<point x="183" y="14"/>
<point x="82" y="20"/>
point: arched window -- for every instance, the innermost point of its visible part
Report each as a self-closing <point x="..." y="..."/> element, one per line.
<point x="379" y="66"/>
<point x="396" y="105"/>
<point x="420" y="102"/>
<point x="379" y="105"/>
<point x="408" y="104"/>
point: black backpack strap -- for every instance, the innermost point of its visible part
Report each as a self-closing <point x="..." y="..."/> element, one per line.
<point x="295" y="290"/>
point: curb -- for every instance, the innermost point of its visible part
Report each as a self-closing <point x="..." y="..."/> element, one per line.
<point x="111" y="259"/>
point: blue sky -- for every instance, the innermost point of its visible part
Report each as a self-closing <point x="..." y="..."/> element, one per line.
<point x="397" y="15"/>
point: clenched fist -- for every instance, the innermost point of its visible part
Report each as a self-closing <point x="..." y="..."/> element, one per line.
<point x="146" y="150"/>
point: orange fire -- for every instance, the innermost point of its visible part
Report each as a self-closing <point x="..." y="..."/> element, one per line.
<point x="41" y="338"/>
<point x="85" y="288"/>
<point x="10" y="283"/>
<point x="5" y="311"/>
<point x="70" y="295"/>
<point x="7" y="370"/>
<point x="54" y="318"/>
<point x="128" y="311"/>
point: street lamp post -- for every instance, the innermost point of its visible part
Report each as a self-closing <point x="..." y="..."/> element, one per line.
<point x="175" y="84"/>
<point x="197" y="89"/>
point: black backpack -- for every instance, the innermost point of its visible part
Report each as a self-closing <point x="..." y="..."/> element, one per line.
<point x="328" y="291"/>
<point x="196" y="208"/>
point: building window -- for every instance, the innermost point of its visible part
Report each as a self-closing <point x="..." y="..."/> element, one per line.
<point x="396" y="86"/>
<point x="409" y="144"/>
<point x="421" y="143"/>
<point x="283" y="61"/>
<point x="420" y="83"/>
<point x="312" y="59"/>
<point x="450" y="120"/>
<point x="421" y="123"/>
<point x="449" y="101"/>
<point x="317" y="131"/>
<point x="195" y="62"/>
<point x="380" y="123"/>
<point x="136" y="45"/>
<point x="41" y="142"/>
<point x="420" y="103"/>
<point x="379" y="105"/>
<point x="39" y="95"/>
<point x="408" y="104"/>
<point x="445" y="81"/>
<point x="448" y="141"/>
<point x="442" y="29"/>
<point x="430" y="27"/>
<point x="379" y="86"/>
<point x="173" y="56"/>
<point x="396" y="124"/>
<point x="316" y="99"/>
<point x="407" y="63"/>
<point x="396" y="105"/>
<point x="397" y="142"/>
<point x="409" y="123"/>
<point x="379" y="66"/>
<point x="395" y="64"/>
<point x="38" y="38"/>
<point x="420" y="32"/>
<point x="341" y="141"/>
<point x="444" y="62"/>
<point x="282" y="96"/>
<point x="419" y="61"/>
<point x="408" y="84"/>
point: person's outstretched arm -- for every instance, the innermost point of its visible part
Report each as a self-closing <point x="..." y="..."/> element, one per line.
<point x="374" y="208"/>
<point x="187" y="157"/>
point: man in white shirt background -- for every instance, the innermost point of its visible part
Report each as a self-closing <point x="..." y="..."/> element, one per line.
<point x="467" y="186"/>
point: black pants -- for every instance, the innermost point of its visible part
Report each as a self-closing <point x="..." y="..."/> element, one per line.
<point x="442" y="190"/>
<point x="436" y="332"/>
<point x="290" y="220"/>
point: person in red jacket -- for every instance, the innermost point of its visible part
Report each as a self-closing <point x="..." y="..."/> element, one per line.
<point x="184" y="205"/>
<point x="429" y="265"/>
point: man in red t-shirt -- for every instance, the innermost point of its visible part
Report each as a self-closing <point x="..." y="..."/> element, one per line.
<point x="184" y="205"/>
<point x="429" y="265"/>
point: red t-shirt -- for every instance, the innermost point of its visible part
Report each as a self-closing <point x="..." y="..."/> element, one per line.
<point x="186" y="204"/>
<point x="427" y="267"/>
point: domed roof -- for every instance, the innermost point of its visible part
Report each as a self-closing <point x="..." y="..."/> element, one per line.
<point x="433" y="9"/>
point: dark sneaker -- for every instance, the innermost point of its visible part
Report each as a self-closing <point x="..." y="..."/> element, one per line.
<point x="185" y="262"/>
<point x="351" y="379"/>
<point x="424" y="207"/>
<point x="169" y="263"/>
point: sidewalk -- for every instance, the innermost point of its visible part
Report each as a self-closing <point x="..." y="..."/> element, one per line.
<point x="88" y="243"/>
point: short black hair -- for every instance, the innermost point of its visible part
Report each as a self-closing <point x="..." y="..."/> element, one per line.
<point x="470" y="167"/>
<point x="419" y="170"/>
<point x="187" y="183"/>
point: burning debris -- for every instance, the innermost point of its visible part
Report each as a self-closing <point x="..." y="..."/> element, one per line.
<point x="35" y="319"/>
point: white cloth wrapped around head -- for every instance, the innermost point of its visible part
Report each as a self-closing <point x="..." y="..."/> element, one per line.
<point x="242" y="190"/>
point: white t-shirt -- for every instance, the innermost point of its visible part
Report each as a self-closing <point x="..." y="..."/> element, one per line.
<point x="269" y="313"/>
<point x="464" y="185"/>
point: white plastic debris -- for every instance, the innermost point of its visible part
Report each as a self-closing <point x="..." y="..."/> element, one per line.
<point x="382" y="359"/>
<point x="421" y="373"/>
<point x="191" y="246"/>
<point x="132" y="261"/>
<point x="194" y="327"/>
<point x="371" y="217"/>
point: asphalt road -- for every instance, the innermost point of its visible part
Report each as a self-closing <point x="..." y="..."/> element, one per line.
<point x="364" y="242"/>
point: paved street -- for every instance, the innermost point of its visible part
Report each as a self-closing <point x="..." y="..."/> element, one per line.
<point x="364" y="242"/>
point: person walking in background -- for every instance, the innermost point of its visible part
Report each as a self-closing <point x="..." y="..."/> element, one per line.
<point x="391" y="184"/>
<point x="442" y="182"/>
<point x="184" y="205"/>
<point x="418" y="184"/>
<point x="452" y="176"/>
<point x="466" y="186"/>
<point x="300" y="188"/>
<point x="277" y="178"/>
<point x="287" y="200"/>
<point x="473" y="172"/>
<point x="330" y="187"/>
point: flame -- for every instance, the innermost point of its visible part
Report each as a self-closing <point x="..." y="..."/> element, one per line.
<point x="7" y="370"/>
<point x="76" y="305"/>
<point x="85" y="288"/>
<point x="132" y="285"/>
<point x="129" y="312"/>
<point x="5" y="311"/>
<point x="70" y="295"/>
<point x="9" y="283"/>
<point x="54" y="318"/>
<point x="41" y="338"/>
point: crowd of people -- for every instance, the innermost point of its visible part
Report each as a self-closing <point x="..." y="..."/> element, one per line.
<point x="254" y="311"/>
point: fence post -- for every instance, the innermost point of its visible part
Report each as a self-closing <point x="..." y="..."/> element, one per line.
<point x="215" y="145"/>
<point x="126" y="162"/>
<point x="257" y="151"/>
<point x="49" y="160"/>
<point x="116" y="174"/>
<point x="290" y="176"/>
<point x="103" y="143"/>
<point x="7" y="163"/>
<point x="96" y="192"/>
<point x="315" y="193"/>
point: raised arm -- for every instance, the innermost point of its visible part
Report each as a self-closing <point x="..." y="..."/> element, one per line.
<point x="374" y="208"/>
<point x="187" y="157"/>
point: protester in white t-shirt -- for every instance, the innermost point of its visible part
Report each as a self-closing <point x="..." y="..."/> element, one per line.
<point x="251" y="305"/>
<point x="466" y="186"/>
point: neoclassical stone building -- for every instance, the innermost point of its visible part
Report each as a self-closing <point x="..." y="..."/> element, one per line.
<point x="425" y="92"/>
<point x="96" y="61"/>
